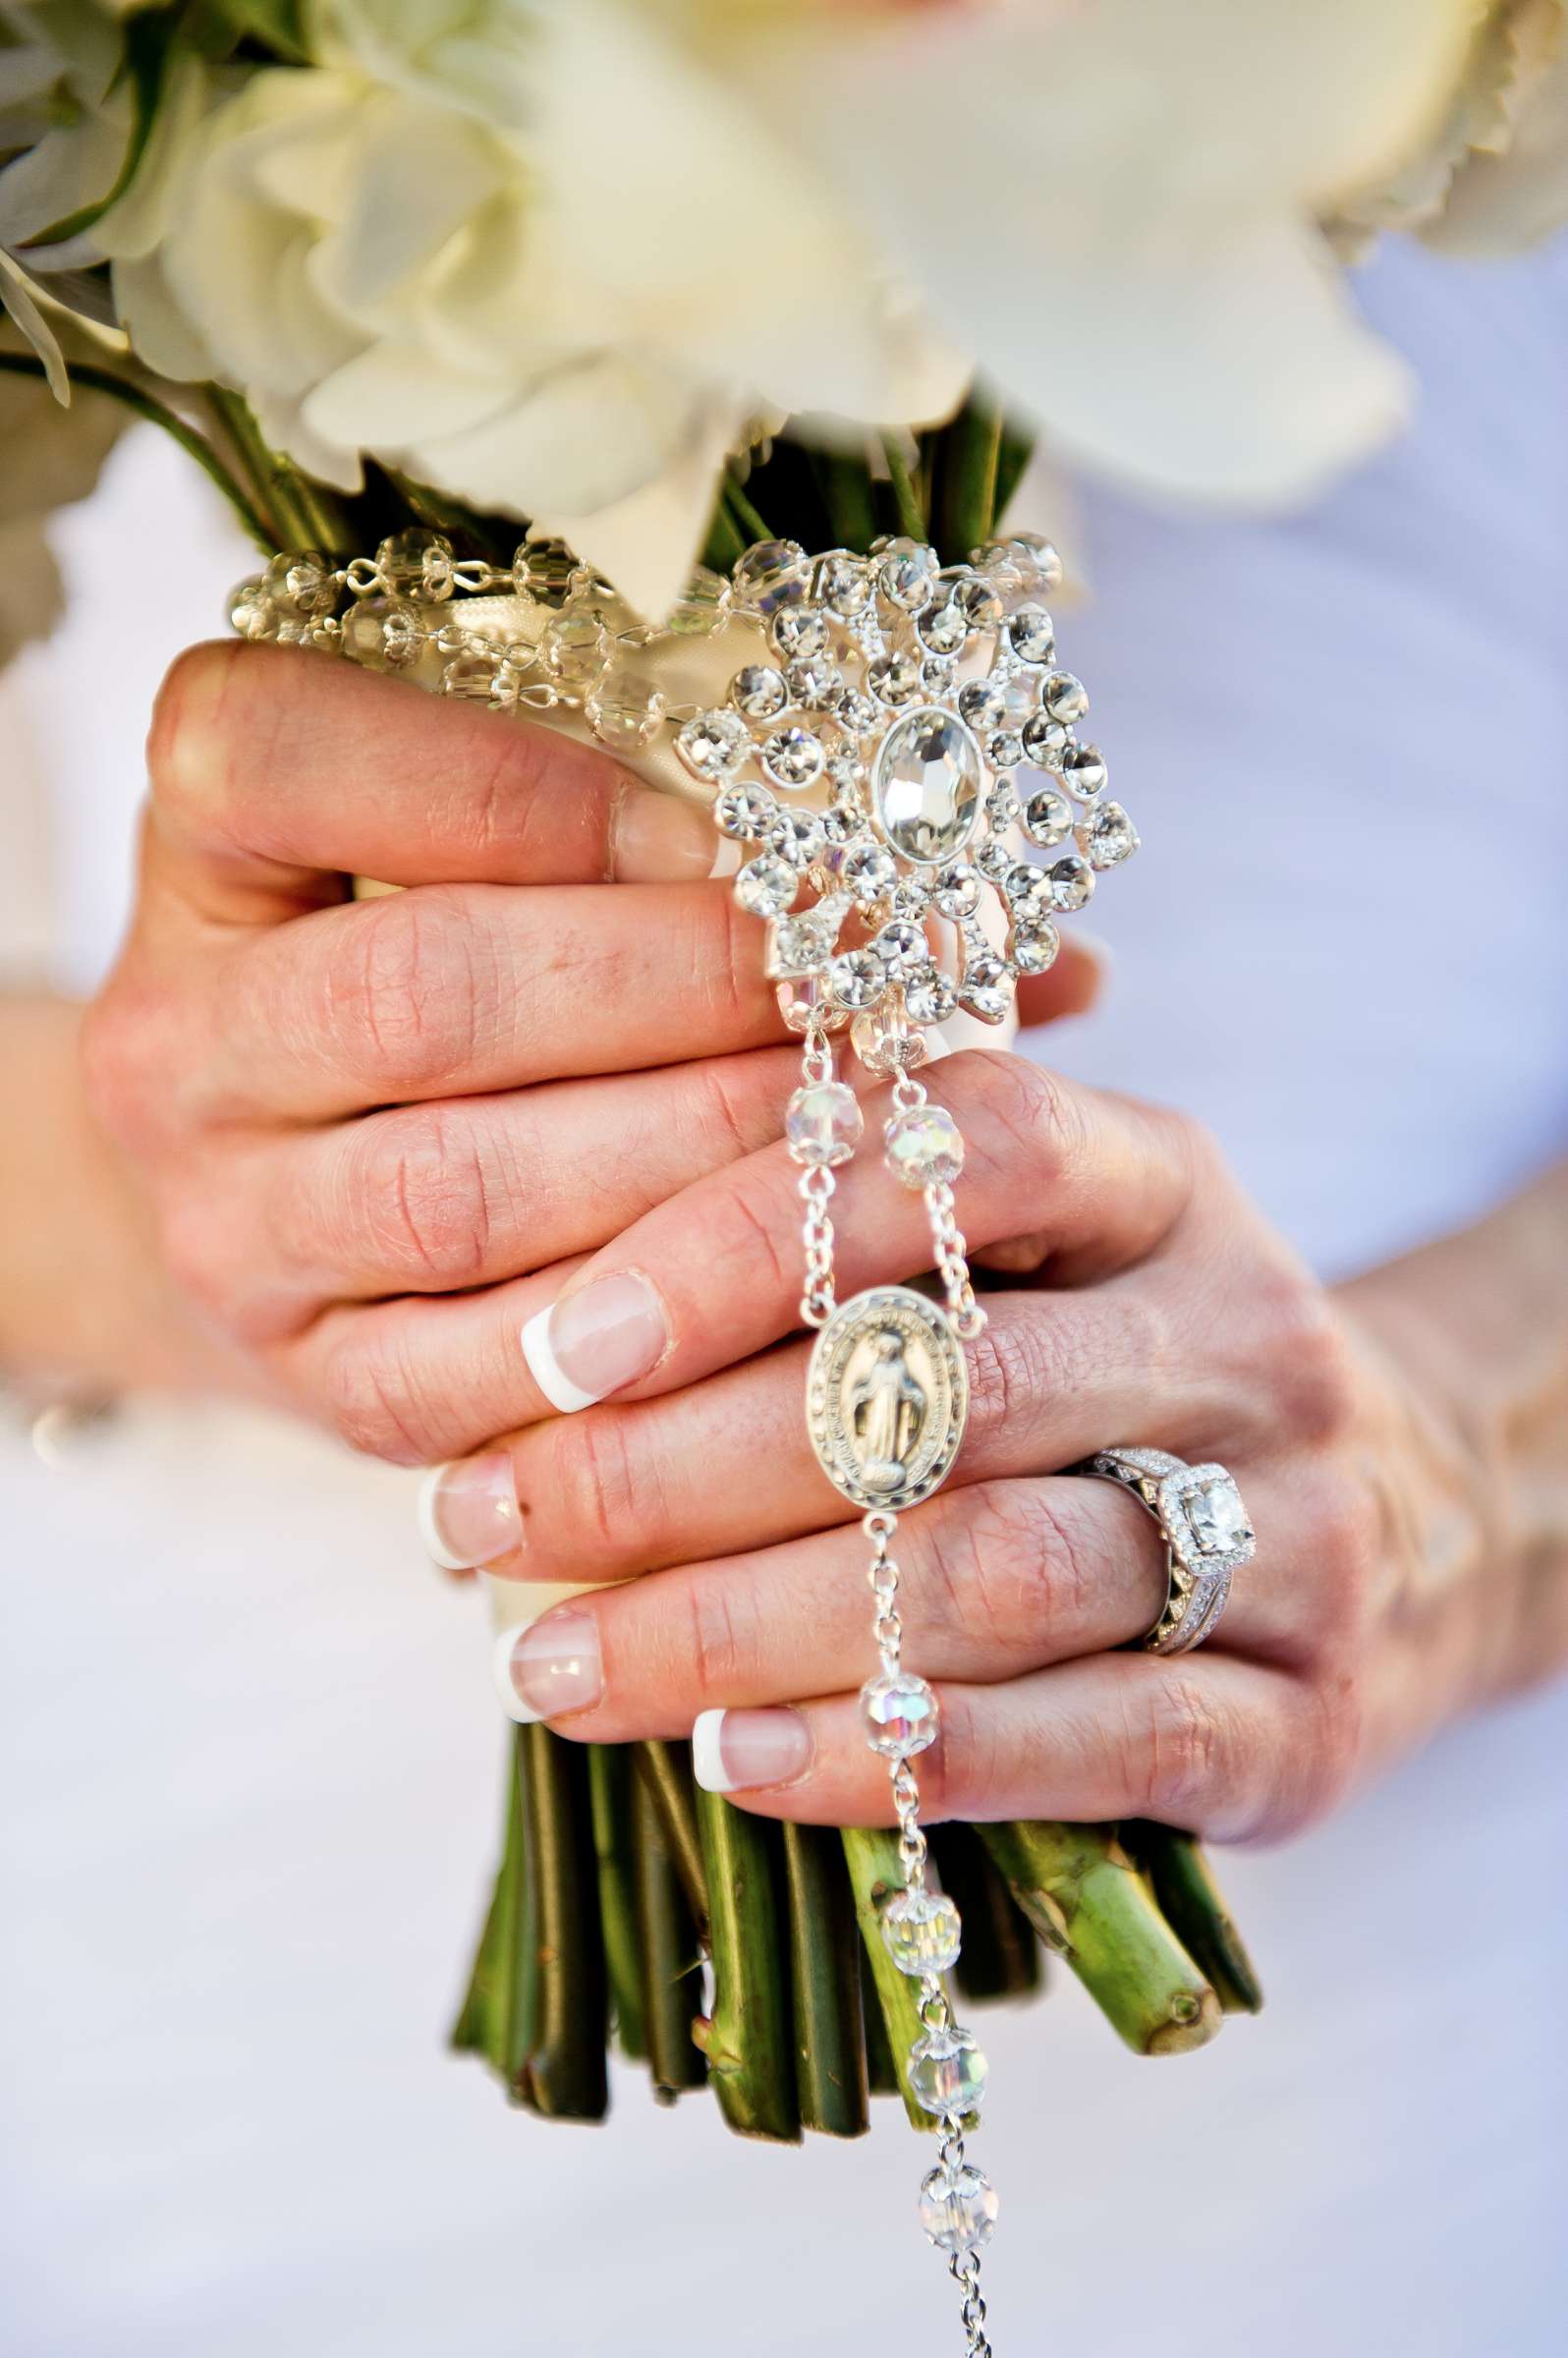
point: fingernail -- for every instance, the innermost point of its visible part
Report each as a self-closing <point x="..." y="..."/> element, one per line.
<point x="1094" y="947"/>
<point x="731" y="1750"/>
<point x="550" y="1668"/>
<point x="727" y="857"/>
<point x="591" y="1343"/>
<point x="469" y="1511"/>
<point x="657" y="839"/>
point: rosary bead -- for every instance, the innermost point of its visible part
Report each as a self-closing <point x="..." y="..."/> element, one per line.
<point x="921" y="1932"/>
<point x="924" y="1144"/>
<point x="947" y="2071"/>
<point x="958" y="2207"/>
<point x="823" y="1124"/>
<point x="900" y="1714"/>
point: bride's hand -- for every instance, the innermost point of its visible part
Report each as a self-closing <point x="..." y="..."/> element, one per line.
<point x="375" y="1135"/>
<point x="1162" y="1309"/>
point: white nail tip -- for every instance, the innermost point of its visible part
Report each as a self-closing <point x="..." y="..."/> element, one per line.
<point x="512" y="1701"/>
<point x="552" y="1380"/>
<point x="727" y="859"/>
<point x="425" y="1510"/>
<point x="707" y="1760"/>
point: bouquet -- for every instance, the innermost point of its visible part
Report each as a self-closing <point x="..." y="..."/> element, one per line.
<point x="536" y="343"/>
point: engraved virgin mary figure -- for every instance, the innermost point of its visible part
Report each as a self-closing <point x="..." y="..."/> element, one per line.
<point x="886" y="1410"/>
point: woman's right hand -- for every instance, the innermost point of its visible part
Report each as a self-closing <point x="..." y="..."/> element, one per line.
<point x="377" y="1136"/>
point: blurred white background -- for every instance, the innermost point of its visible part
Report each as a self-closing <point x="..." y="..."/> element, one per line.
<point x="249" y="1772"/>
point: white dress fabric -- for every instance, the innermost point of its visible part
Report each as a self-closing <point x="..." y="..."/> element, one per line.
<point x="249" y="1782"/>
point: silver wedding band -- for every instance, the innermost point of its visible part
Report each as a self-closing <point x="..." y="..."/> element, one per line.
<point x="1207" y="1530"/>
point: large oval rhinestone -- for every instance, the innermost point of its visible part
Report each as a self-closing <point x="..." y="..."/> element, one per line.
<point x="927" y="785"/>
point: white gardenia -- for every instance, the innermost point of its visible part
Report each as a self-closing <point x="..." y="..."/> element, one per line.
<point x="518" y="249"/>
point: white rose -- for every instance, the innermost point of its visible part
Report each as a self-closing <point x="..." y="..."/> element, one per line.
<point x="531" y="253"/>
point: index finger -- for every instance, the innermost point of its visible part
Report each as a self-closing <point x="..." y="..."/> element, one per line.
<point x="273" y="768"/>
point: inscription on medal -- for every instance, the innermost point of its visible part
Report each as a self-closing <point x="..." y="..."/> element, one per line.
<point x="886" y="1397"/>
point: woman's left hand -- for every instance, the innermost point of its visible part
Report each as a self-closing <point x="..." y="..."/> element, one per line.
<point x="1158" y="1308"/>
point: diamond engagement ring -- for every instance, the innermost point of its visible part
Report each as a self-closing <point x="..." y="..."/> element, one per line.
<point x="1206" y="1529"/>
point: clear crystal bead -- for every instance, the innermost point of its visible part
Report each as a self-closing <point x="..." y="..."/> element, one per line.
<point x="857" y="979"/>
<point x="984" y="703"/>
<point x="1005" y="749"/>
<point x="958" y="2207"/>
<point x="925" y="784"/>
<point x="757" y="689"/>
<point x="885" y="1040"/>
<point x="744" y="812"/>
<point x="1084" y="771"/>
<point x="924" y="1144"/>
<point x="902" y="947"/>
<point x="767" y="573"/>
<point x="623" y="710"/>
<point x="912" y="898"/>
<point x="978" y="601"/>
<point x="942" y="628"/>
<point x="1045" y="742"/>
<point x="869" y="873"/>
<point x="805" y="1004"/>
<point x="415" y="563"/>
<point x="1047" y="817"/>
<point x="844" y="584"/>
<point x="844" y="770"/>
<point x="957" y="889"/>
<point x="1108" y="836"/>
<point x="1035" y="945"/>
<point x="1064" y="697"/>
<point x="947" y="2071"/>
<point x="1072" y="882"/>
<point x="857" y="713"/>
<point x="714" y="744"/>
<point x="797" y="836"/>
<point x="573" y="647"/>
<point x="930" y="996"/>
<point x="799" y="630"/>
<point x="793" y="758"/>
<point x="815" y="683"/>
<point x="1032" y="635"/>
<point x="768" y="886"/>
<point x="994" y="858"/>
<point x="1026" y="886"/>
<point x="823" y="1124"/>
<point x="894" y="679"/>
<point x="547" y="571"/>
<point x="471" y="676"/>
<point x="908" y="575"/>
<point x="384" y="630"/>
<point x="899" y="1710"/>
<point x="938" y="674"/>
<point x="921" y="1932"/>
<point x="301" y="582"/>
<point x="701" y="607"/>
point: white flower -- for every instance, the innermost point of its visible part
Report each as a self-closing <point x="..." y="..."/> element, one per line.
<point x="1117" y="205"/>
<point x="533" y="254"/>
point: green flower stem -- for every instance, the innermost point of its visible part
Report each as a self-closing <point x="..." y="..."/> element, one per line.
<point x="1001" y="1954"/>
<point x="306" y="513"/>
<point x="824" y="1983"/>
<point x="496" y="2019"/>
<point x="666" y="1771"/>
<point x="747" y="2038"/>
<point x="1017" y="449"/>
<point x="968" y="455"/>
<point x="882" y="2074"/>
<point x="753" y="524"/>
<point x="906" y="495"/>
<point x="1086" y="1898"/>
<point x="565" y="2072"/>
<point x="610" y="1786"/>
<point x="669" y="1954"/>
<point x="1193" y="1905"/>
<point x="849" y="497"/>
<point x="131" y="396"/>
<point x="874" y="1871"/>
<point x="725" y="540"/>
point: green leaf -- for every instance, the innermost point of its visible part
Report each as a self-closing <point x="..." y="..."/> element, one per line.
<point x="149" y="43"/>
<point x="276" y="25"/>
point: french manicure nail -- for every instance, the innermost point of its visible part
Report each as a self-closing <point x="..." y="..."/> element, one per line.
<point x="469" y="1511"/>
<point x="732" y="1750"/>
<point x="550" y="1668"/>
<point x="658" y="839"/>
<point x="591" y="1343"/>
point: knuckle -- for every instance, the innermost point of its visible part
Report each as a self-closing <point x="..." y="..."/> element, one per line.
<point x="406" y="978"/>
<point x="1317" y="1767"/>
<point x="371" y="1401"/>
<point x="597" y="1494"/>
<point x="1179" y="1753"/>
<point x="424" y="1197"/>
<point x="718" y="1636"/>
<point x="1033" y="1110"/>
<point x="742" y="1236"/>
<point x="120" y="1053"/>
<point x="1344" y="1535"/>
<point x="1314" y="1369"/>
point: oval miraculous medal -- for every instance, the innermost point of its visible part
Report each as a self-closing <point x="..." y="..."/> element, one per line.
<point x="887" y="1396"/>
